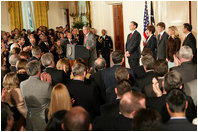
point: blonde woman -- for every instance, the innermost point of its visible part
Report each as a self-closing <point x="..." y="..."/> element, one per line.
<point x="173" y="45"/>
<point x="12" y="93"/>
<point x="63" y="64"/>
<point x="21" y="72"/>
<point x="60" y="100"/>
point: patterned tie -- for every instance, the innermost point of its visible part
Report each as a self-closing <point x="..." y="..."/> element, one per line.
<point x="130" y="35"/>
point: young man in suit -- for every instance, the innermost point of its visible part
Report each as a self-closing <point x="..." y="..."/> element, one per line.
<point x="106" y="46"/>
<point x="83" y="94"/>
<point x="176" y="104"/>
<point x="187" y="69"/>
<point x="133" y="46"/>
<point x="162" y="40"/>
<point x="151" y="41"/>
<point x="45" y="45"/>
<point x="90" y="44"/>
<point x="36" y="95"/>
<point x="190" y="40"/>
<point x="58" y="76"/>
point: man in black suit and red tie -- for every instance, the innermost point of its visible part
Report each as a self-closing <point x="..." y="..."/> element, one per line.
<point x="133" y="46"/>
<point x="190" y="40"/>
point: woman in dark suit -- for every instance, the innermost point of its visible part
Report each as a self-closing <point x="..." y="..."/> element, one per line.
<point x="173" y="45"/>
<point x="151" y="41"/>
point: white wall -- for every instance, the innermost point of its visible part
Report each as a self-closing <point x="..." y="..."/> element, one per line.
<point x="5" y="17"/>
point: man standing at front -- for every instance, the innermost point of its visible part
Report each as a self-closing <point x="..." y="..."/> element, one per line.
<point x="90" y="44"/>
<point x="133" y="46"/>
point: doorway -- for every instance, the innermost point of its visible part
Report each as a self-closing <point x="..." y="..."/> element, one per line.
<point x="118" y="28"/>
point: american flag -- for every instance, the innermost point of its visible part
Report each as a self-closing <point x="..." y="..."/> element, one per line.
<point x="146" y="23"/>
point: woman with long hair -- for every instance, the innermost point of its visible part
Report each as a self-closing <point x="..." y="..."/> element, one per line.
<point x="173" y="45"/>
<point x="60" y="99"/>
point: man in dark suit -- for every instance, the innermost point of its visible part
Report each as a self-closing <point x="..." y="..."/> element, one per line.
<point x="122" y="87"/>
<point x="129" y="104"/>
<point x="36" y="54"/>
<point x="172" y="80"/>
<point x="187" y="69"/>
<point x="13" y="60"/>
<point x="162" y="40"/>
<point x="151" y="41"/>
<point x="58" y="76"/>
<point x="176" y="104"/>
<point x="90" y="44"/>
<point x="133" y="46"/>
<point x="190" y="40"/>
<point x="45" y="45"/>
<point x="36" y="95"/>
<point x="83" y="94"/>
<point x="106" y="46"/>
<point x="70" y="40"/>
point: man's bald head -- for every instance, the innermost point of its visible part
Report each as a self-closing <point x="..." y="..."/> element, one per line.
<point x="77" y="119"/>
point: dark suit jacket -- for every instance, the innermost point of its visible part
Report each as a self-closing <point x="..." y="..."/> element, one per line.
<point x="22" y="77"/>
<point x="133" y="44"/>
<point x="112" y="123"/>
<point x="106" y="45"/>
<point x="159" y="104"/>
<point x="161" y="49"/>
<point x="152" y="44"/>
<point x="188" y="71"/>
<point x="179" y="125"/>
<point x="58" y="76"/>
<point x="85" y="96"/>
<point x="110" y="109"/>
<point x="44" y="48"/>
<point x="13" y="69"/>
<point x="33" y="58"/>
<point x="139" y="72"/>
<point x="149" y="89"/>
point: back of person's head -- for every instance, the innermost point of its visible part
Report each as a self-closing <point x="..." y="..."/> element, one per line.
<point x="121" y="73"/>
<point x="21" y="64"/>
<point x="32" y="68"/>
<point x="147" y="120"/>
<point x="63" y="64"/>
<point x="55" y="122"/>
<point x="15" y="50"/>
<point x="77" y="119"/>
<point x="147" y="51"/>
<point x="185" y="52"/>
<point x="24" y="55"/>
<point x="148" y="62"/>
<point x="123" y="86"/>
<point x="176" y="100"/>
<point x="160" y="67"/>
<point x="151" y="29"/>
<point x="10" y="81"/>
<point x="99" y="64"/>
<point x="7" y="119"/>
<point x="172" y="79"/>
<point x="36" y="51"/>
<point x="117" y="56"/>
<point x="161" y="24"/>
<point x="47" y="59"/>
<point x="78" y="69"/>
<point x="135" y="23"/>
<point x="13" y="59"/>
<point x="188" y="26"/>
<point x="130" y="102"/>
<point x="60" y="99"/>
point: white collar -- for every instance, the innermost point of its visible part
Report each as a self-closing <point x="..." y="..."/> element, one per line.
<point x="87" y="34"/>
<point x="133" y="31"/>
<point x="178" y="118"/>
<point x="188" y="34"/>
<point x="149" y="37"/>
<point x="162" y="32"/>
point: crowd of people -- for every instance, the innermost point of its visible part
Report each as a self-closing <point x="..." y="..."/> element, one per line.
<point x="42" y="90"/>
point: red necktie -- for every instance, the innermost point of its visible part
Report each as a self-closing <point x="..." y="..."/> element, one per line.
<point x="130" y="35"/>
<point x="85" y="39"/>
<point x="185" y="38"/>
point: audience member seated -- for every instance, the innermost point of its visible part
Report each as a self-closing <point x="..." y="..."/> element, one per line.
<point x="96" y="79"/>
<point x="148" y="62"/>
<point x="77" y="119"/>
<point x="83" y="94"/>
<point x="122" y="87"/>
<point x="58" y="76"/>
<point x="147" y="120"/>
<point x="36" y="54"/>
<point x="160" y="69"/>
<point x="13" y="60"/>
<point x="7" y="119"/>
<point x="172" y="80"/>
<point x="56" y="121"/>
<point x="129" y="104"/>
<point x="120" y="74"/>
<point x="187" y="69"/>
<point x="21" y="72"/>
<point x="36" y="95"/>
<point x="176" y="104"/>
<point x="60" y="100"/>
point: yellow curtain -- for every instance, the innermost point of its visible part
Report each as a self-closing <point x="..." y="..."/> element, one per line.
<point x="14" y="8"/>
<point x="40" y="11"/>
